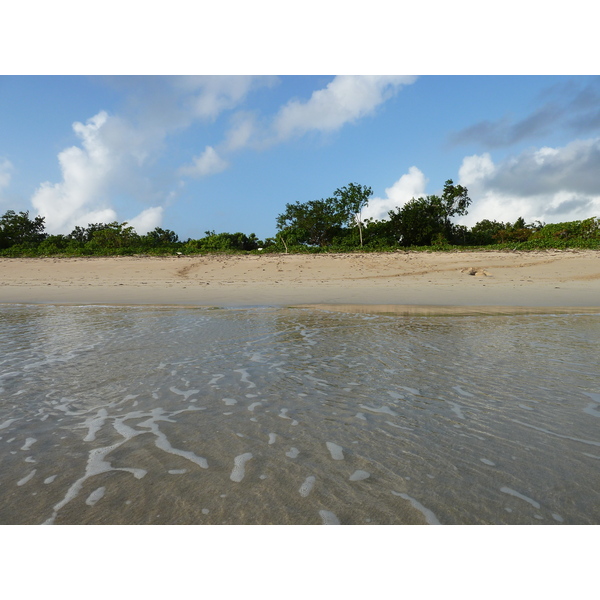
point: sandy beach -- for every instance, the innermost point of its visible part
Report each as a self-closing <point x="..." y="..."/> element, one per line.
<point x="399" y="282"/>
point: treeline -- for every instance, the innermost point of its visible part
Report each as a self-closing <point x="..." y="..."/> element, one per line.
<point x="332" y="224"/>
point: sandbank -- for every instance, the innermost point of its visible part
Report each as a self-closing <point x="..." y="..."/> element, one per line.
<point x="397" y="282"/>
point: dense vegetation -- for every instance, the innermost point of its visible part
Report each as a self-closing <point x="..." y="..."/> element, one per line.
<point x="332" y="224"/>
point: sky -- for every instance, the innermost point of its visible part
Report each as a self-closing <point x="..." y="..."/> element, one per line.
<point x="227" y="153"/>
<point x="216" y="120"/>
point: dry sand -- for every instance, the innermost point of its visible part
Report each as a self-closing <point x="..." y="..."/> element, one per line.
<point x="397" y="282"/>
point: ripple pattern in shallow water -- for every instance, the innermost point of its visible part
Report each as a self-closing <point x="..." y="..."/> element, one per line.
<point x="146" y="415"/>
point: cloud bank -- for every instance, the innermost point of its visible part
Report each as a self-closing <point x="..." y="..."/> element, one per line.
<point x="546" y="184"/>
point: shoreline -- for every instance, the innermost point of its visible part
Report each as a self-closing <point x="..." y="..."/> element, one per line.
<point x="539" y="282"/>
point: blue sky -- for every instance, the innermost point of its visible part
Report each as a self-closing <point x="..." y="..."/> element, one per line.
<point x="226" y="153"/>
<point x="97" y="122"/>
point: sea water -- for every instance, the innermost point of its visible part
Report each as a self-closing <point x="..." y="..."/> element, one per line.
<point x="137" y="415"/>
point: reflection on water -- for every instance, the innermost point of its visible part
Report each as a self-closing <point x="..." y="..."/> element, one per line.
<point x="170" y="415"/>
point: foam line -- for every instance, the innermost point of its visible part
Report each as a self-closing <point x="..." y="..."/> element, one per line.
<point x="307" y="486"/>
<point x="95" y="496"/>
<point x="429" y="516"/>
<point x="28" y="443"/>
<point x="329" y="518"/>
<point x="239" y="467"/>
<point x="335" y="451"/>
<point x="27" y="478"/>
<point x="94" y="424"/>
<point x="384" y="409"/>
<point x="359" y="475"/>
<point x="566" y="437"/>
<point x="512" y="492"/>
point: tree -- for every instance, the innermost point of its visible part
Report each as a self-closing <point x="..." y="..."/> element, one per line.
<point x="350" y="200"/>
<point x="315" y="222"/>
<point x="20" y="229"/>
<point x="422" y="220"/>
<point x="161" y="237"/>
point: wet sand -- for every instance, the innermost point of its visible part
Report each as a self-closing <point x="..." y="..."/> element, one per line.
<point x="398" y="282"/>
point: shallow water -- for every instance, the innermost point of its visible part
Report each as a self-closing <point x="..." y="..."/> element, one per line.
<point x="288" y="416"/>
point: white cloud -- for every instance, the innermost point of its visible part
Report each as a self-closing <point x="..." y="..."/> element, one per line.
<point x="546" y="184"/>
<point x="208" y="163"/>
<point x="6" y="169"/>
<point x="147" y="220"/>
<point x="344" y="100"/>
<point x="410" y="185"/>
<point x="85" y="171"/>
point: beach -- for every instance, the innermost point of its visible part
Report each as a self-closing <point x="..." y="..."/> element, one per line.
<point x="355" y="389"/>
<point x="402" y="282"/>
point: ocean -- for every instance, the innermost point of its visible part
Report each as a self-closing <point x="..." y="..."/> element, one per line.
<point x="166" y="415"/>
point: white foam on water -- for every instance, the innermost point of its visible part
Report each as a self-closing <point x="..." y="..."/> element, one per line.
<point x="185" y="393"/>
<point x="294" y="423"/>
<point x="595" y="397"/>
<point x="245" y="377"/>
<point x="254" y="405"/>
<point x="592" y="409"/>
<point x="283" y="413"/>
<point x="50" y="479"/>
<point x="399" y="426"/>
<point x="216" y="378"/>
<point x="384" y="409"/>
<point x="229" y="401"/>
<point x="395" y="395"/>
<point x="27" y="478"/>
<point x="591" y="455"/>
<point x="95" y="496"/>
<point x="240" y="435"/>
<point x="516" y="494"/>
<point x="293" y="453"/>
<point x="359" y="475"/>
<point x="557" y="517"/>
<point x="462" y="392"/>
<point x="272" y="438"/>
<point x="7" y="423"/>
<point x="428" y="514"/>
<point x="28" y="443"/>
<point x="30" y="459"/>
<point x="524" y="407"/>
<point x="566" y="437"/>
<point x="485" y="461"/>
<point x="239" y="467"/>
<point x="251" y="395"/>
<point x="163" y="443"/>
<point x="94" y="424"/>
<point x="227" y="414"/>
<point x="176" y="471"/>
<point x="456" y="409"/>
<point x="329" y="518"/>
<point x="413" y="391"/>
<point x="335" y="451"/>
<point x="307" y="486"/>
<point x="205" y="511"/>
<point x="360" y="416"/>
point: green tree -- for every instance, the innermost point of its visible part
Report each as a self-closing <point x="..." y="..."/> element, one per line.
<point x="350" y="201"/>
<point x="18" y="228"/>
<point x="315" y="222"/>
<point x="422" y="220"/>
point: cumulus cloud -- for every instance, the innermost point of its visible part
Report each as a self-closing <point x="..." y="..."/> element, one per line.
<point x="410" y="185"/>
<point x="147" y="220"/>
<point x="546" y="184"/>
<point x="90" y="173"/>
<point x="84" y="171"/>
<point x="344" y="100"/>
<point x="208" y="163"/>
